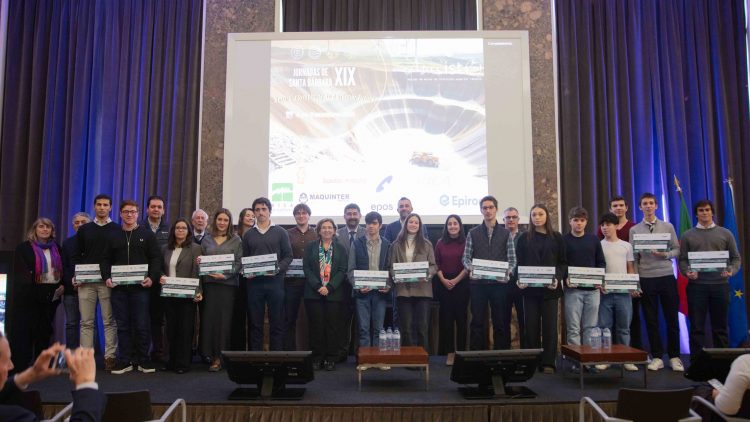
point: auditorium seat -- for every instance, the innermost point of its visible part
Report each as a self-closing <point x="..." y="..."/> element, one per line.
<point x="135" y="406"/>
<point x="646" y="406"/>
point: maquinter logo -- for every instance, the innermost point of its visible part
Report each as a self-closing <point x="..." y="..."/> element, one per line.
<point x="282" y="193"/>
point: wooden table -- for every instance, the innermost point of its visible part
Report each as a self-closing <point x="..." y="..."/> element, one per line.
<point x="617" y="354"/>
<point x="407" y="357"/>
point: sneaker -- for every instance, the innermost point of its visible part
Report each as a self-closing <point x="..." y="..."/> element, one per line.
<point x="676" y="365"/>
<point x="602" y="367"/>
<point x="109" y="364"/>
<point x="122" y="368"/>
<point x="146" y="367"/>
<point x="630" y="367"/>
<point x="656" y="364"/>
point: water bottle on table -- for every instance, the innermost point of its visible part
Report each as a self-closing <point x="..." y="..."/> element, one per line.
<point x="383" y="341"/>
<point x="389" y="335"/>
<point x="397" y="340"/>
<point x="596" y="338"/>
<point x="606" y="338"/>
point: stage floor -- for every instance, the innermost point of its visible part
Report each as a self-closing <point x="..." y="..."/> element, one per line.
<point x="397" y="387"/>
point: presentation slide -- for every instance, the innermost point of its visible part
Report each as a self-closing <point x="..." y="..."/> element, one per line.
<point x="328" y="122"/>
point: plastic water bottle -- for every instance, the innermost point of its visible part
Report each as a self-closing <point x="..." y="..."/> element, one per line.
<point x="397" y="340"/>
<point x="606" y="338"/>
<point x="383" y="341"/>
<point x="389" y="335"/>
<point x="596" y="338"/>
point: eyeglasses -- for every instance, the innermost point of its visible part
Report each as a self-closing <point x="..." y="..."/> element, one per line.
<point x="511" y="217"/>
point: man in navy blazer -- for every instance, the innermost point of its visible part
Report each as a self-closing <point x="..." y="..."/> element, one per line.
<point x="88" y="401"/>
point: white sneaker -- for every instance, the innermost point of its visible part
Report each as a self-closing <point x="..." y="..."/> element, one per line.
<point x="676" y="365"/>
<point x="630" y="367"/>
<point x="656" y="364"/>
<point x="602" y="367"/>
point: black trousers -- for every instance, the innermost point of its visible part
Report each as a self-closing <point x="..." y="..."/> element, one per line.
<point x="515" y="298"/>
<point x="494" y="294"/>
<point x="325" y="319"/>
<point x="704" y="300"/>
<point x="541" y="322"/>
<point x="414" y="314"/>
<point x="294" y="289"/>
<point x="180" y="314"/>
<point x="347" y="321"/>
<point x="240" y="320"/>
<point x="453" y="316"/>
<point x="661" y="292"/>
<point x="635" y="325"/>
<point x="159" y="342"/>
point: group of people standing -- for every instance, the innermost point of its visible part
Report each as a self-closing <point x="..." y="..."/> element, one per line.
<point x="143" y="329"/>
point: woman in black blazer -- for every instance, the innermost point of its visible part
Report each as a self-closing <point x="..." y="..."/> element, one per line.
<point x="37" y="292"/>
<point x="180" y="260"/>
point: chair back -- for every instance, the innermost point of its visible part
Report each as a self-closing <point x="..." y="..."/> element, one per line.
<point x="654" y="405"/>
<point x="130" y="406"/>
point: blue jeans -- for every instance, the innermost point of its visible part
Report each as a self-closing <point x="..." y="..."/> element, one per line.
<point x="581" y="314"/>
<point x="370" y="314"/>
<point x="262" y="291"/>
<point x="615" y="313"/>
<point x="130" y="306"/>
<point x="72" y="321"/>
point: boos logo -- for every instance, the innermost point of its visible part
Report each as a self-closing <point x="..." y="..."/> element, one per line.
<point x="282" y="193"/>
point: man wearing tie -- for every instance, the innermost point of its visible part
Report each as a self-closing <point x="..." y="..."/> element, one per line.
<point x="346" y="236"/>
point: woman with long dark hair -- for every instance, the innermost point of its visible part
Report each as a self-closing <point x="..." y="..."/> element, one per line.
<point x="541" y="245"/>
<point x="219" y="289"/>
<point x="413" y="298"/>
<point x="38" y="287"/>
<point x="453" y="289"/>
<point x="180" y="260"/>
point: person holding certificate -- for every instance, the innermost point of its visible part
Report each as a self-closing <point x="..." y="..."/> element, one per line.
<point x="219" y="289"/>
<point x="325" y="264"/>
<point x="38" y="285"/>
<point x="180" y="259"/>
<point x="708" y="287"/>
<point x="453" y="289"/>
<point x="541" y="246"/>
<point x="413" y="297"/>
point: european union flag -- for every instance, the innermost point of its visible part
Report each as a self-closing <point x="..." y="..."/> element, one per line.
<point x="737" y="312"/>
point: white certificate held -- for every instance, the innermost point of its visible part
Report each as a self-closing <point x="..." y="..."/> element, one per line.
<point x="295" y="269"/>
<point x="259" y="265"/>
<point x="536" y="276"/>
<point x="123" y="275"/>
<point x="407" y="272"/>
<point x="88" y="273"/>
<point x="620" y="283"/>
<point x="370" y="279"/>
<point x="179" y="287"/>
<point x="652" y="242"/>
<point x="485" y="269"/>
<point x="708" y="261"/>
<point x="586" y="276"/>
<point x="216" y="264"/>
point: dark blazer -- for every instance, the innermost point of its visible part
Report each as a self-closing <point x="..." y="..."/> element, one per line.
<point x="186" y="266"/>
<point x="88" y="405"/>
<point x="69" y="269"/>
<point x="359" y="258"/>
<point x="311" y="265"/>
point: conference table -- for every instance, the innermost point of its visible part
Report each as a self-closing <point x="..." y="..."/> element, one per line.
<point x="406" y="357"/>
<point x="618" y="354"/>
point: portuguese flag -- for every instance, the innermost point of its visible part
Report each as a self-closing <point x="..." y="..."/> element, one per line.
<point x="686" y="223"/>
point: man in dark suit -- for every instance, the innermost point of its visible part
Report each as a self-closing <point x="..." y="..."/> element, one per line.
<point x="88" y="401"/>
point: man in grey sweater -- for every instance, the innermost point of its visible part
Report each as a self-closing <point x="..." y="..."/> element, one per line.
<point x="659" y="285"/>
<point x="708" y="291"/>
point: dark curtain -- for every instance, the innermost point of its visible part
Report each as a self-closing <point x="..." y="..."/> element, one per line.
<point x="100" y="96"/>
<point x="649" y="90"/>
<point x="379" y="15"/>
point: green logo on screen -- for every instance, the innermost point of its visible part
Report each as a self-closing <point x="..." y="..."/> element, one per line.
<point x="282" y="192"/>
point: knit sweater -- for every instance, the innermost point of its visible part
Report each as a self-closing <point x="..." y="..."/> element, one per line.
<point x="708" y="240"/>
<point x="648" y="265"/>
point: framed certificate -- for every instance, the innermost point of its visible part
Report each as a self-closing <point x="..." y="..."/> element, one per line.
<point x="295" y="269"/>
<point x="259" y="265"/>
<point x="178" y="287"/>
<point x="124" y="275"/>
<point x="370" y="279"/>
<point x="485" y="269"/>
<point x="409" y="272"/>
<point x="652" y="242"/>
<point x="620" y="283"/>
<point x="586" y="276"/>
<point x="536" y="276"/>
<point x="216" y="264"/>
<point x="714" y="261"/>
<point x="88" y="273"/>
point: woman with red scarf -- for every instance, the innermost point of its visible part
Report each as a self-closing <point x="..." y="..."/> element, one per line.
<point x="37" y="292"/>
<point x="325" y="263"/>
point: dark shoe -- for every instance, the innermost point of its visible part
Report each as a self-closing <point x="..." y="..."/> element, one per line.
<point x="109" y="364"/>
<point x="329" y="365"/>
<point x="122" y="368"/>
<point x="146" y="367"/>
